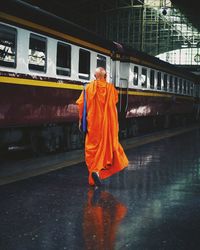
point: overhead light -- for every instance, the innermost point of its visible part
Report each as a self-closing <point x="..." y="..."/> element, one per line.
<point x="164" y="12"/>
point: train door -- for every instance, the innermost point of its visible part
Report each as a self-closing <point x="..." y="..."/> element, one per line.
<point x="110" y="70"/>
<point x="123" y="96"/>
<point x="115" y="73"/>
<point x="123" y="86"/>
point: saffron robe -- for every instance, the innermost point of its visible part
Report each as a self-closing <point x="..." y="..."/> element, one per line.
<point x="103" y="152"/>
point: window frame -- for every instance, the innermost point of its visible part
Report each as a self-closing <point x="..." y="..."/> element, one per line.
<point x="64" y="69"/>
<point x="152" y="77"/>
<point x="100" y="65"/>
<point x="165" y="81"/>
<point x="159" y="80"/>
<point x="171" y="81"/>
<point x="143" y="84"/>
<point x="38" y="68"/>
<point x="184" y="87"/>
<point x="82" y="75"/>
<point x="180" y="89"/>
<point x="175" y="84"/>
<point x="135" y="73"/>
<point x="15" y="32"/>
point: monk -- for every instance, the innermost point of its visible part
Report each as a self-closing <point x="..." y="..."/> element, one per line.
<point x="104" y="155"/>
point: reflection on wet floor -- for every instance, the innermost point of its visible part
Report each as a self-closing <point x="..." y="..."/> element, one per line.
<point x="102" y="215"/>
<point x="153" y="204"/>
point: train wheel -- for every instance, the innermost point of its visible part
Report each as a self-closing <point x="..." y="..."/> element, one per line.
<point x="135" y="128"/>
<point x="167" y="121"/>
<point x="36" y="144"/>
<point x="76" y="138"/>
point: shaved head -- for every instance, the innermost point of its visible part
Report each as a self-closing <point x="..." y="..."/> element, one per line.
<point x="100" y="73"/>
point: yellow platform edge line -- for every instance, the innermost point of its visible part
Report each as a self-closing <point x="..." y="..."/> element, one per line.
<point x="80" y="155"/>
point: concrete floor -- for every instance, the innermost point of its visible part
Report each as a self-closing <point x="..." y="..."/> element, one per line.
<point x="153" y="204"/>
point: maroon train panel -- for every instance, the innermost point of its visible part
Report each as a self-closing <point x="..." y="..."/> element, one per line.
<point x="23" y="105"/>
<point x="153" y="105"/>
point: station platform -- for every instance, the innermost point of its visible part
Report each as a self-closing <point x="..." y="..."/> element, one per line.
<point x="151" y="205"/>
<point x="16" y="167"/>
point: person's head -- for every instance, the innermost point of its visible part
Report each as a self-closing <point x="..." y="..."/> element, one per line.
<point x="100" y="73"/>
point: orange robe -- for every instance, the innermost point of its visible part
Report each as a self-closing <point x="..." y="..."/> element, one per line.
<point x="103" y="152"/>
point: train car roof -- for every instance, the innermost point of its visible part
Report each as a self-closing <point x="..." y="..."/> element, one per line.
<point x="34" y="14"/>
<point x="146" y="59"/>
<point x="39" y="16"/>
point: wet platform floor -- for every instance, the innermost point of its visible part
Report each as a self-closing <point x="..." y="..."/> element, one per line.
<point x="153" y="204"/>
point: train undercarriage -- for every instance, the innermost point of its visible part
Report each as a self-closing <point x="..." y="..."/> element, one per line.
<point x="51" y="138"/>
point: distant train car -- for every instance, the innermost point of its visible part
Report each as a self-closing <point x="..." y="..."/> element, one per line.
<point x="44" y="62"/>
<point x="153" y="94"/>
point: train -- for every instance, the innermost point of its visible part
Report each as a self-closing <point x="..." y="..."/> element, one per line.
<point x="46" y="60"/>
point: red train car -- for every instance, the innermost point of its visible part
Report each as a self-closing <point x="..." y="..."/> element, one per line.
<point x="44" y="62"/>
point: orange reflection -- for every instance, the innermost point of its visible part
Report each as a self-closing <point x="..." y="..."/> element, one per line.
<point x="102" y="215"/>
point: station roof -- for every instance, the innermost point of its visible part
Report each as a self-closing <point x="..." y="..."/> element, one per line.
<point x="78" y="10"/>
<point x="191" y="10"/>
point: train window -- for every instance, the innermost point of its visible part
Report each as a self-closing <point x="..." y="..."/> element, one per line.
<point x="170" y="83"/>
<point x="8" y="46"/>
<point x="37" y="53"/>
<point x="135" y="76"/>
<point x="152" y="78"/>
<point x="101" y="61"/>
<point x="165" y="82"/>
<point x="144" y="78"/>
<point x="192" y="89"/>
<point x="196" y="91"/>
<point x="84" y="64"/>
<point x="159" y="80"/>
<point x="184" y="87"/>
<point x="63" y="62"/>
<point x="188" y="88"/>
<point x="180" y="86"/>
<point x="175" y="84"/>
